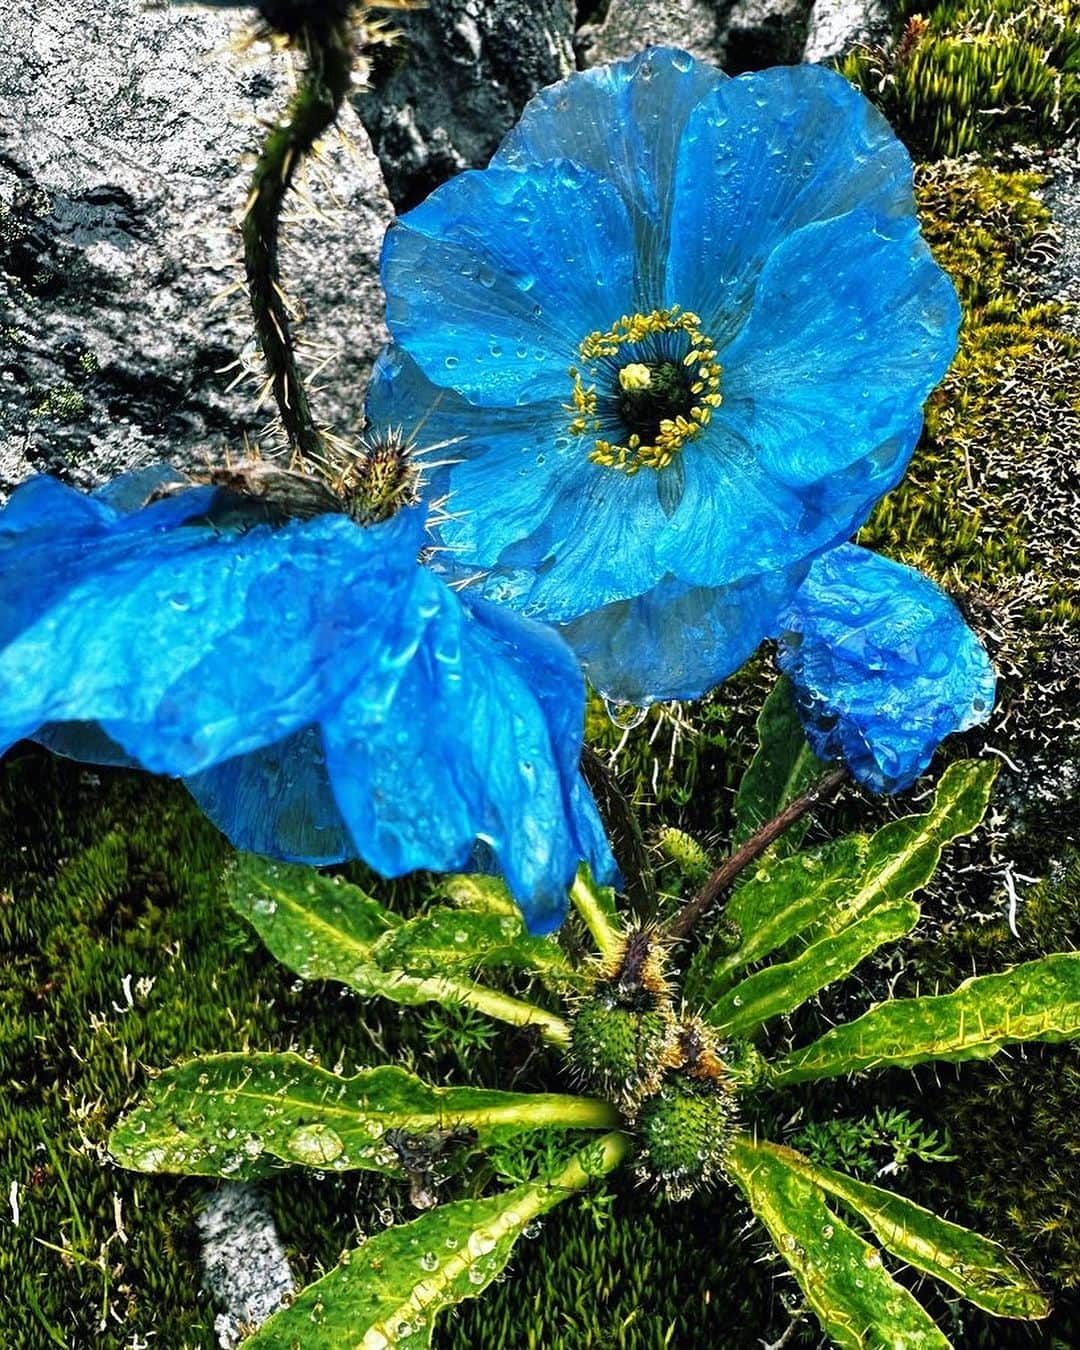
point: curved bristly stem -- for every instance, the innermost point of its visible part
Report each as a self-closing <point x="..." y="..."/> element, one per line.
<point x="587" y="902"/>
<point x="324" y="85"/>
<point x="718" y="882"/>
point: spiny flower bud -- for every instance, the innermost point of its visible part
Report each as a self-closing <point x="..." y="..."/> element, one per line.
<point x="699" y="1051"/>
<point x="381" y="479"/>
<point x="621" y="1053"/>
<point x="685" y="852"/>
<point x="684" y="1132"/>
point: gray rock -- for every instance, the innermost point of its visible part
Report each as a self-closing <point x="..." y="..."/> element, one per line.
<point x="746" y="35"/>
<point x="762" y="33"/>
<point x="127" y="136"/>
<point x="244" y="1265"/>
<point x="1061" y="193"/>
<point x="443" y="96"/>
<point x="698" y="26"/>
<point x="836" y="26"/>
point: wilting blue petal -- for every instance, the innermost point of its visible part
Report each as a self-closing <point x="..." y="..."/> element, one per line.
<point x="492" y="282"/>
<point x="321" y="694"/>
<point x="883" y="665"/>
<point x="625" y="122"/>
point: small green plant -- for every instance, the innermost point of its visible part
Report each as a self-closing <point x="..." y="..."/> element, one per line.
<point x="684" y="1098"/>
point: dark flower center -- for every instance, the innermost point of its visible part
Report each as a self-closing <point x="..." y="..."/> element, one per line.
<point x="647" y="386"/>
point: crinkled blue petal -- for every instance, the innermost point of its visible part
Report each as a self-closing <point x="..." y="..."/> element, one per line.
<point x="625" y="122"/>
<point x="762" y="156"/>
<point x="155" y="636"/>
<point x="677" y="641"/>
<point x="468" y="753"/>
<point x="853" y="324"/>
<point x="321" y="694"/>
<point x="883" y="665"/>
<point x="493" y="281"/>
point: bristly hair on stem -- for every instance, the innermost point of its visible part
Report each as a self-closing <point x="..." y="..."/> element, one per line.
<point x="822" y="791"/>
<point x="327" y="49"/>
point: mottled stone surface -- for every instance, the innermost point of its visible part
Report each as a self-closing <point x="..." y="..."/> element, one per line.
<point x="1061" y="193"/>
<point x="127" y="138"/>
<point x="443" y="97"/>
<point x="838" y="25"/>
<point x="244" y="1266"/>
<point x="698" y="26"/>
<point x="760" y="33"/>
<point x="746" y="35"/>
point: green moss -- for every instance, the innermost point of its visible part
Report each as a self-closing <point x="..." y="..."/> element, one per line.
<point x="64" y="404"/>
<point x="118" y="955"/>
<point x="974" y="75"/>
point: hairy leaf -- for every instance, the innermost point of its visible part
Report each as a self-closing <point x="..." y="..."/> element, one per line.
<point x="239" y="1115"/>
<point x="783" y="766"/>
<point x="818" y="893"/>
<point x="975" y="1267"/>
<point x="858" y="1303"/>
<point x="324" y="928"/>
<point x="390" y="1290"/>
<point x="1038" y="1001"/>
<point x="782" y="988"/>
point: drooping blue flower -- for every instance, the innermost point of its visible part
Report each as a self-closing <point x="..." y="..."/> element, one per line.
<point x="883" y="665"/>
<point x="684" y="326"/>
<point x="321" y="694"/>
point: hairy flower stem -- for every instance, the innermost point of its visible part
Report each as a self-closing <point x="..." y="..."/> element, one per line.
<point x="323" y="88"/>
<point x="624" y="830"/>
<point x="823" y="790"/>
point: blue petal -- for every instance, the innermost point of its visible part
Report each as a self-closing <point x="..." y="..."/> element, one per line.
<point x="494" y="280"/>
<point x="852" y="326"/>
<point x="678" y="641"/>
<point x="883" y="665"/>
<point x="624" y="121"/>
<point x="555" y="532"/>
<point x="761" y="157"/>
<point x="277" y="801"/>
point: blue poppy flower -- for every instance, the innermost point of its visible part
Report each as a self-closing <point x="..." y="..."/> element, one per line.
<point x="321" y="694"/>
<point x="883" y="665"/>
<point x="685" y="326"/>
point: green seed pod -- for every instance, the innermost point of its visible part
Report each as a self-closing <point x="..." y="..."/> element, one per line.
<point x="620" y="1053"/>
<point x="684" y="1132"/>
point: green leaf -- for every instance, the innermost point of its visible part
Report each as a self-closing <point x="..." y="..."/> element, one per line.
<point x="818" y="893"/>
<point x="324" y="928"/>
<point x="783" y="767"/>
<point x="781" y="988"/>
<point x="1038" y="1001"/>
<point x="238" y="1115"/>
<point x="389" y="1291"/>
<point x="858" y="1303"/>
<point x="981" y="1270"/>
